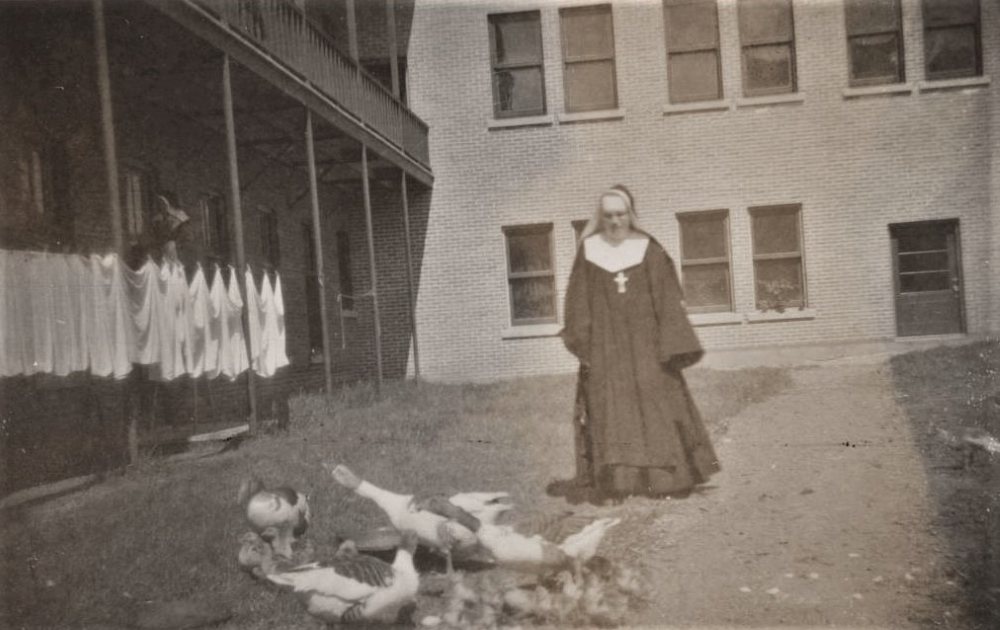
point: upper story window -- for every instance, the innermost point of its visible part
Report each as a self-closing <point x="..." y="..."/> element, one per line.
<point x="136" y="192"/>
<point x="269" y="245"/>
<point x="588" y="50"/>
<point x="779" y="279"/>
<point x="874" y="41"/>
<point x="952" y="39"/>
<point x="767" y="40"/>
<point x="705" y="264"/>
<point x="531" y="274"/>
<point x="694" y="71"/>
<point x="516" y="57"/>
<point x="216" y="227"/>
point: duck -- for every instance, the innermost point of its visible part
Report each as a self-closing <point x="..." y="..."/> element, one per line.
<point x="354" y="587"/>
<point x="445" y="524"/>
<point x="537" y="554"/>
<point x="256" y="555"/>
<point x="278" y="515"/>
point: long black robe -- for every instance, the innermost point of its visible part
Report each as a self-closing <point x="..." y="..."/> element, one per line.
<point x="643" y="430"/>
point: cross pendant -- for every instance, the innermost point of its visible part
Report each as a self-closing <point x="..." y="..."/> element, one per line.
<point x="620" y="280"/>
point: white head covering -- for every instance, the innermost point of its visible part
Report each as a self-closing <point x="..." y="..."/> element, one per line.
<point x="594" y="223"/>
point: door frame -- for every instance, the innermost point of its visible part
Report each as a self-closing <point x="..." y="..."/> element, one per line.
<point x="955" y="264"/>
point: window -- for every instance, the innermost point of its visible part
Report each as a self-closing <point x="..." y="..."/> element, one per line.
<point x="269" y="245"/>
<point x="344" y="269"/>
<point x="874" y="41"/>
<point x="516" y="57"/>
<point x="47" y="176"/>
<point x="531" y="274"/>
<point x="216" y="227"/>
<point x="588" y="48"/>
<point x="767" y="38"/>
<point x="952" y="39"/>
<point x="314" y="314"/>
<point x="693" y="64"/>
<point x="135" y="191"/>
<point x="705" y="267"/>
<point x="777" y="257"/>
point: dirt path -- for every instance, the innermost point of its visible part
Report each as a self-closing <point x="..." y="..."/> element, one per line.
<point x="820" y="517"/>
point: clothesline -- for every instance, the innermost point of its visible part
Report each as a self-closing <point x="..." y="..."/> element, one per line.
<point x="62" y="313"/>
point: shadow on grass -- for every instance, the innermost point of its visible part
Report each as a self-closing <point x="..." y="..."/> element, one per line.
<point x="946" y="393"/>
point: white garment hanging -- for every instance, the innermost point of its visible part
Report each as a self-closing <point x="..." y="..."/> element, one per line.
<point x="144" y="299"/>
<point x="279" y="348"/>
<point x="42" y="313"/>
<point x="120" y="324"/>
<point x="271" y="348"/>
<point x="198" y="324"/>
<point x="237" y="361"/>
<point x="173" y="323"/>
<point x="6" y="360"/>
<point x="93" y="318"/>
<point x="65" y="316"/>
<point x="78" y="273"/>
<point x="253" y="318"/>
<point x="10" y="354"/>
<point x="217" y="331"/>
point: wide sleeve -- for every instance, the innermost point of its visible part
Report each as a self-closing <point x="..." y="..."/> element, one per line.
<point x="576" y="333"/>
<point x="677" y="343"/>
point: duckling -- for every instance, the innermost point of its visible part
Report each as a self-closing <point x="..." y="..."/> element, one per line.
<point x="354" y="587"/>
<point x="444" y="524"/>
<point x="279" y="515"/>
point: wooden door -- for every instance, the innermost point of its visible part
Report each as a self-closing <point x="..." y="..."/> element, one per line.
<point x="928" y="279"/>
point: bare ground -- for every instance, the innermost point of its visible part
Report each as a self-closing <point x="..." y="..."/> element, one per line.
<point x="831" y="510"/>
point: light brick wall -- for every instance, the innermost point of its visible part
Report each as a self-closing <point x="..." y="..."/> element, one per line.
<point x="855" y="165"/>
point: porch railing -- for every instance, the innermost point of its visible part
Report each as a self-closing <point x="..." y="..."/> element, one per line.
<point x="281" y="30"/>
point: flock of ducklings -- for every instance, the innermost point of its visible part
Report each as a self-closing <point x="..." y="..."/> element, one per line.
<point x="549" y="568"/>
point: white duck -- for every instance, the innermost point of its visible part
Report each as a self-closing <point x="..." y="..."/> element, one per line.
<point x="537" y="554"/>
<point x="278" y="515"/>
<point x="445" y="524"/>
<point x="354" y="587"/>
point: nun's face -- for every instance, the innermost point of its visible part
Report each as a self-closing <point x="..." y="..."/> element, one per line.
<point x="615" y="220"/>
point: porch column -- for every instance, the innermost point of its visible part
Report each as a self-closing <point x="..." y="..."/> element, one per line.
<point x="390" y="13"/>
<point x="411" y="301"/>
<point x="237" y="205"/>
<point x="352" y="31"/>
<point x="371" y="265"/>
<point x="131" y="419"/>
<point x="318" y="247"/>
<point x="108" y="127"/>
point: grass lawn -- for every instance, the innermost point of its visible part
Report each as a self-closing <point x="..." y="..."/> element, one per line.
<point x="166" y="530"/>
<point x="952" y="392"/>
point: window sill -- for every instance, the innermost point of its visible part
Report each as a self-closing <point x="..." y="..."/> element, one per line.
<point x="878" y="90"/>
<point x="604" y="114"/>
<point x="699" y="106"/>
<point x="788" y="315"/>
<point x="953" y="84"/>
<point x="766" y="101"/>
<point x="532" y="330"/>
<point x="715" y="319"/>
<point x="524" y="121"/>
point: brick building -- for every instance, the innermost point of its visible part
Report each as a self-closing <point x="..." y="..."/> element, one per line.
<point x="135" y="96"/>
<point x="821" y="171"/>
